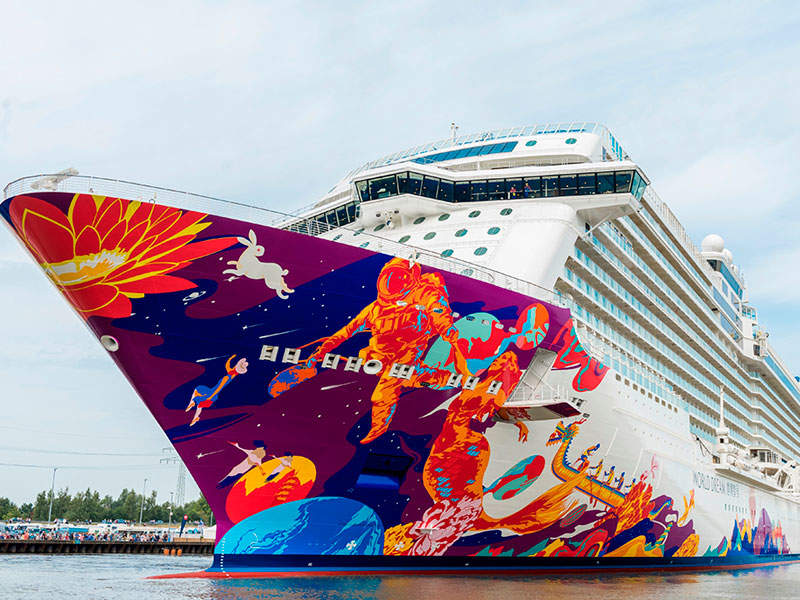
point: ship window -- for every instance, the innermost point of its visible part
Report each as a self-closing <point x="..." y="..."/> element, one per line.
<point x="478" y="192"/>
<point x="402" y="183"/>
<point x="430" y="235"/>
<point x="358" y="232"/>
<point x="570" y="141"/>
<point x="567" y="185"/>
<point x="414" y="183"/>
<point x="586" y="184"/>
<point x="379" y="227"/>
<point x="533" y="188"/>
<point x="447" y="252"/>
<point x="514" y="188"/>
<point x="550" y="186"/>
<point x="430" y="186"/>
<point x="480" y="251"/>
<point x="467" y="272"/>
<point x="444" y="216"/>
<point x="623" y="181"/>
<point x="337" y="237"/>
<point x="461" y="233"/>
<point x="530" y="143"/>
<point x="418" y="220"/>
<point x="363" y="191"/>
<point x="352" y="212"/>
<point x="341" y="215"/>
<point x="637" y="188"/>
<point x="493" y="230"/>
<point x="382" y="187"/>
<point x="605" y="183"/>
<point x="474" y="214"/>
<point x="497" y="189"/>
<point x="506" y="211"/>
<point x="462" y="192"/>
<point x="404" y="239"/>
<point x="364" y="245"/>
<point x="445" y="191"/>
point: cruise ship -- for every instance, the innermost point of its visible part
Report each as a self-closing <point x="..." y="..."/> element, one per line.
<point x="495" y="353"/>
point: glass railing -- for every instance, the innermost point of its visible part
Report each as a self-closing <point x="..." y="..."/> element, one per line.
<point x="609" y="141"/>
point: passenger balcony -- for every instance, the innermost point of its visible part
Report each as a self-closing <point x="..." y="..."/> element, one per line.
<point x="543" y="403"/>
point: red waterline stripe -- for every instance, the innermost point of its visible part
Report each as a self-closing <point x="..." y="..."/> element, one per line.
<point x="521" y="571"/>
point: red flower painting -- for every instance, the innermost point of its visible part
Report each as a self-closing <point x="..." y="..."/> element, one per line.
<point x="105" y="251"/>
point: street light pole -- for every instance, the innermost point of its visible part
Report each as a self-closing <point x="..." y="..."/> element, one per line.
<point x="52" y="493"/>
<point x="141" y="510"/>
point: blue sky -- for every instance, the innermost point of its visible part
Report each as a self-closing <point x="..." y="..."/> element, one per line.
<point x="272" y="103"/>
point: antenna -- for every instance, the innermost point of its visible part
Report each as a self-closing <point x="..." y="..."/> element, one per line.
<point x="453" y="131"/>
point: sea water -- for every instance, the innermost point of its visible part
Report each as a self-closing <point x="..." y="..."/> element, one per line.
<point x="123" y="577"/>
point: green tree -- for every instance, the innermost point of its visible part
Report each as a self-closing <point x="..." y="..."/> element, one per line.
<point x="26" y="510"/>
<point x="197" y="510"/>
<point x="8" y="510"/>
<point x="61" y="504"/>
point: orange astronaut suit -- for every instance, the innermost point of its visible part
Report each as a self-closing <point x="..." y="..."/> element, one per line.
<point x="410" y="311"/>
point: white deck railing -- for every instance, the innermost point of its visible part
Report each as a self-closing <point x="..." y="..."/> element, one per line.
<point x="82" y="184"/>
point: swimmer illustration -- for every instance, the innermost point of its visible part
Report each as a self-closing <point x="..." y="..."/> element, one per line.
<point x="253" y="458"/>
<point x="204" y="396"/>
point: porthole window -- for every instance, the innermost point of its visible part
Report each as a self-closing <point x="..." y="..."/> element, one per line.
<point x="461" y="233"/>
<point x="444" y="216"/>
<point x="480" y="251"/>
<point x="418" y="220"/>
<point x="506" y="211"/>
<point x="570" y="141"/>
<point x="474" y="214"/>
<point x="530" y="143"/>
<point x="467" y="272"/>
<point x="493" y="230"/>
<point x="430" y="235"/>
<point x="447" y="252"/>
<point x="379" y="227"/>
<point x="364" y="245"/>
<point x="337" y="237"/>
<point x="404" y="239"/>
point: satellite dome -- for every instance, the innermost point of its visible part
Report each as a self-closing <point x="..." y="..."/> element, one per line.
<point x="728" y="255"/>
<point x="713" y="243"/>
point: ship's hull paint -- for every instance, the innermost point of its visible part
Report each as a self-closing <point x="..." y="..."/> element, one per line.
<point x="383" y="461"/>
<point x="325" y="566"/>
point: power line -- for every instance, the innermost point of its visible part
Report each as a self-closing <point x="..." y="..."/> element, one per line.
<point x="66" y="433"/>
<point x="88" y="467"/>
<point x="75" y="452"/>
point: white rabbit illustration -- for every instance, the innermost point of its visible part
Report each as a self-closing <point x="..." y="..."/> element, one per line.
<point x="249" y="266"/>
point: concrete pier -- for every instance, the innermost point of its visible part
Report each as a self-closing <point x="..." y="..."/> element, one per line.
<point x="96" y="547"/>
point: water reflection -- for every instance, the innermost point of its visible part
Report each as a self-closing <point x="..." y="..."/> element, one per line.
<point x="123" y="577"/>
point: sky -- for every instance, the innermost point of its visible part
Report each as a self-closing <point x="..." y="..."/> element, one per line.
<point x="272" y="103"/>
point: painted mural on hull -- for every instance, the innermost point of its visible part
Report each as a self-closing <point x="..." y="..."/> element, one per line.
<point x="332" y="400"/>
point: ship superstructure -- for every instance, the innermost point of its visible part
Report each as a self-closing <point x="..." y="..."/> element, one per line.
<point x="563" y="206"/>
<point x="495" y="351"/>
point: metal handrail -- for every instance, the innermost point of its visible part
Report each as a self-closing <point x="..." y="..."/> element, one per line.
<point x="84" y="184"/>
